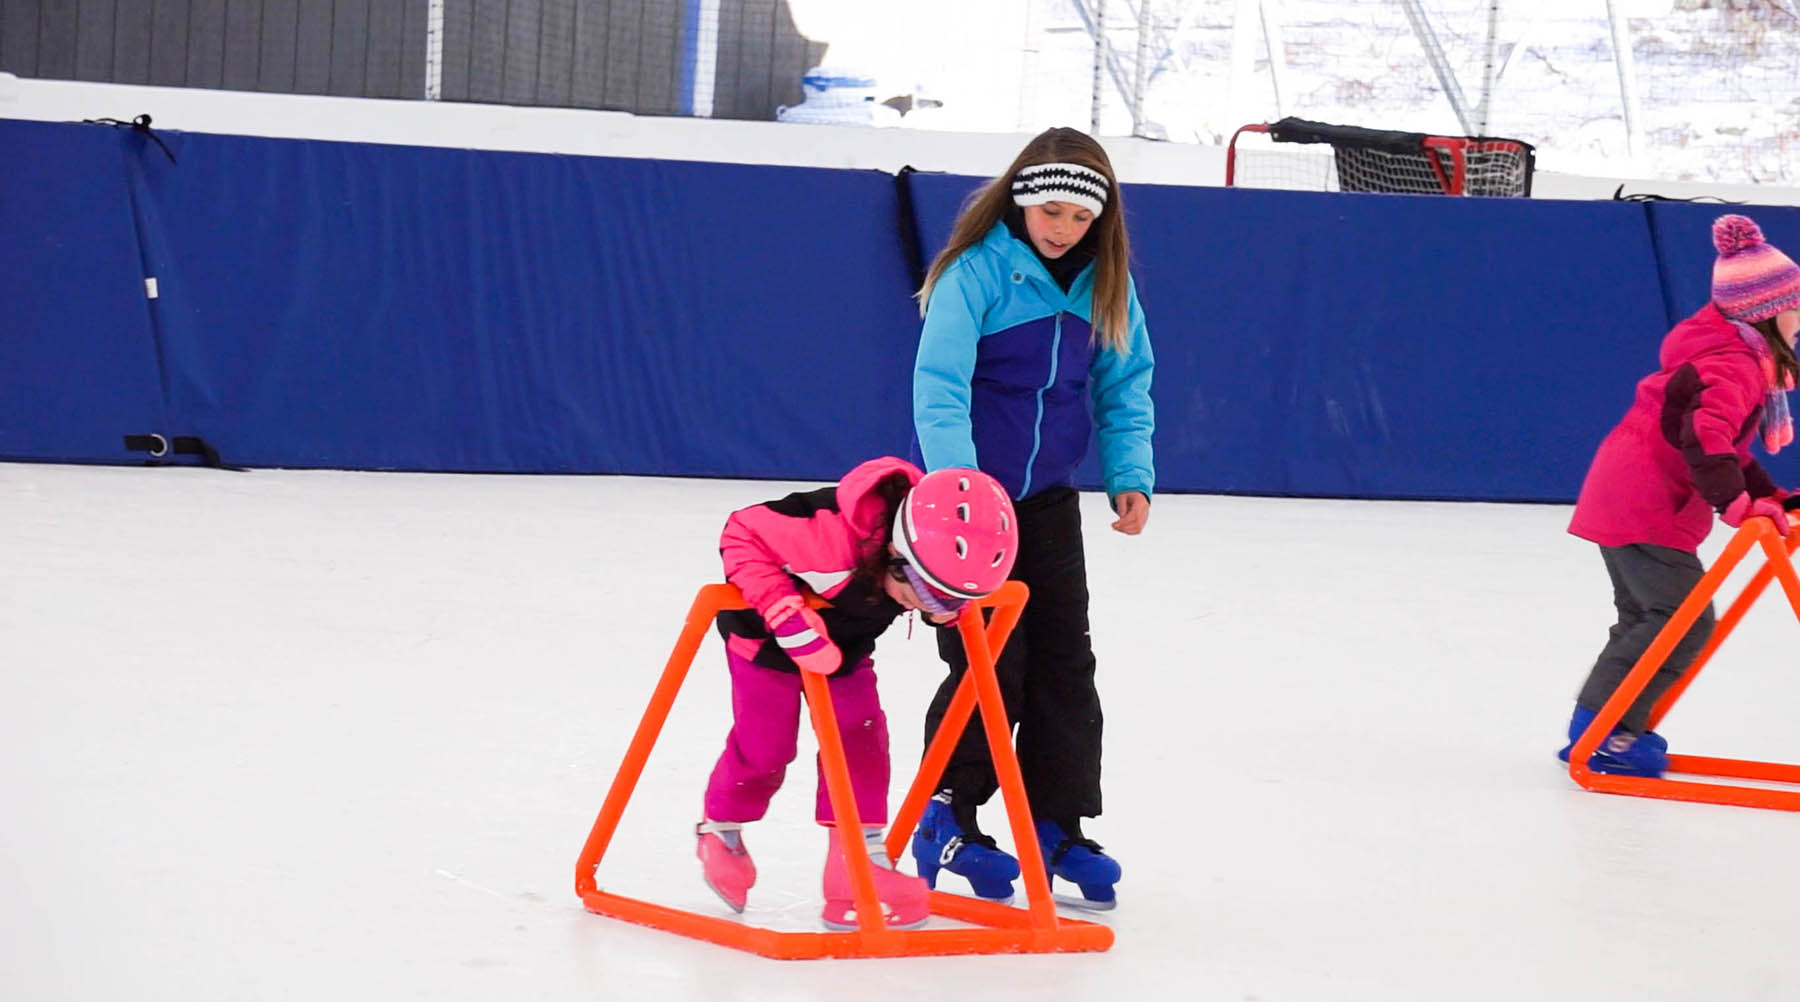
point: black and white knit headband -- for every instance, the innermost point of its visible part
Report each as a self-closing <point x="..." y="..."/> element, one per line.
<point x="1070" y="183"/>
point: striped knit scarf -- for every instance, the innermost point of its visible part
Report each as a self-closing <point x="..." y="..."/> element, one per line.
<point x="1777" y="424"/>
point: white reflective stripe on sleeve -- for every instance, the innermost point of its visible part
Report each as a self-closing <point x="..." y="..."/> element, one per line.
<point x="792" y="640"/>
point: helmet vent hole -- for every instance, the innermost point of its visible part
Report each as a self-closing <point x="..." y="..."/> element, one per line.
<point x="962" y="483"/>
<point x="962" y="548"/>
<point x="962" y="511"/>
<point x="997" y="558"/>
<point x="1005" y="521"/>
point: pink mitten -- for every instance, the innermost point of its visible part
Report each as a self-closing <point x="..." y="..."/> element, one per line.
<point x="801" y="634"/>
<point x="1743" y="507"/>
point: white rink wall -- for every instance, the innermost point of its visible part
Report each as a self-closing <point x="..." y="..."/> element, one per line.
<point x="616" y="134"/>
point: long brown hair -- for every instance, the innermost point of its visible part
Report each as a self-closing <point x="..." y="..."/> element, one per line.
<point x="1112" y="249"/>
<point x="872" y="560"/>
<point x="1787" y="367"/>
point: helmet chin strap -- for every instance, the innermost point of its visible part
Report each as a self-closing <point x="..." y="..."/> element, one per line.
<point x="928" y="596"/>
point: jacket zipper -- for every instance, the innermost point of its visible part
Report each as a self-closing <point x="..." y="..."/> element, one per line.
<point x="1037" y="424"/>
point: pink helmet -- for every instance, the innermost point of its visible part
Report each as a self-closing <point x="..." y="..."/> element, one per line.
<point x="956" y="530"/>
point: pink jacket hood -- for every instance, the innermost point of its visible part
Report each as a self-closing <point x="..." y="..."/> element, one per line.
<point x="861" y="509"/>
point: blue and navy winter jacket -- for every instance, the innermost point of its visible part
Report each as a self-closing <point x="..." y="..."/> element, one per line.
<point x="1007" y="365"/>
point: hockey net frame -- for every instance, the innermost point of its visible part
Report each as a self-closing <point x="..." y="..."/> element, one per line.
<point x="1380" y="161"/>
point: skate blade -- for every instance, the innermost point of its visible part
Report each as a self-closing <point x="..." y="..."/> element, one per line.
<point x="1083" y="904"/>
<point x="734" y="906"/>
<point x="1007" y="900"/>
<point x="852" y="926"/>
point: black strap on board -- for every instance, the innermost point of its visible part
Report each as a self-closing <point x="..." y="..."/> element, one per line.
<point x="160" y="448"/>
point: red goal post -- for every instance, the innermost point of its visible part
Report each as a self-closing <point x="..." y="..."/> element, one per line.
<point x="1287" y="154"/>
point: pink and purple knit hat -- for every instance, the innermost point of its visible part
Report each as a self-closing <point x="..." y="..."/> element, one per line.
<point x="1751" y="280"/>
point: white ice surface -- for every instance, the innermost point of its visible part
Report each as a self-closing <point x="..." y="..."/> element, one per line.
<point x="319" y="735"/>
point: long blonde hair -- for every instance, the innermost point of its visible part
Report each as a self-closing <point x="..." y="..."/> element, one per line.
<point x="1112" y="249"/>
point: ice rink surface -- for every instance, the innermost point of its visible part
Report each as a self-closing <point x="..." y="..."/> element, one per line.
<point x="289" y="735"/>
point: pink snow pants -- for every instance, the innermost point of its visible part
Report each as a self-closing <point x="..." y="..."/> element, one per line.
<point x="765" y="730"/>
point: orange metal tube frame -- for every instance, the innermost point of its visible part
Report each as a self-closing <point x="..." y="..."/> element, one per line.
<point x="1756" y="532"/>
<point x="1003" y="929"/>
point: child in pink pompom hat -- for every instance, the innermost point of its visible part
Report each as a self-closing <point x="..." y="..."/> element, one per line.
<point x="1682" y="454"/>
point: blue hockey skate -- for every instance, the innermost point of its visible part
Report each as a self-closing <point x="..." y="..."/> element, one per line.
<point x="942" y="844"/>
<point x="1080" y="861"/>
<point x="1622" y="753"/>
<point x="1583" y="717"/>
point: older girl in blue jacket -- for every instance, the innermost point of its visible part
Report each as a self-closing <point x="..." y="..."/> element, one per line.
<point x="1031" y="318"/>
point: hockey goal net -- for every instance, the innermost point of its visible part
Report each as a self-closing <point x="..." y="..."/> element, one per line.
<point x="1312" y="156"/>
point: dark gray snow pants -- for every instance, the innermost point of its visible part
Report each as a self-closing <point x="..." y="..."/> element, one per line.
<point x="1649" y="583"/>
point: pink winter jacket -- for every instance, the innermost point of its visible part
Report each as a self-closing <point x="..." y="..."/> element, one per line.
<point x="1683" y="450"/>
<point x="812" y="538"/>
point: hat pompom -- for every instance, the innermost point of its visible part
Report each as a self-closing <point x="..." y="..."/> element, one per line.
<point x="1752" y="279"/>
<point x="1734" y="233"/>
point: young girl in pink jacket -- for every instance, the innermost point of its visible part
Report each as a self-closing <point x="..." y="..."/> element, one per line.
<point x="886" y="539"/>
<point x="1681" y="454"/>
